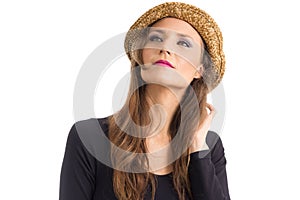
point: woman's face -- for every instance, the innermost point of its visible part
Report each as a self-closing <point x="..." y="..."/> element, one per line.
<point x="172" y="54"/>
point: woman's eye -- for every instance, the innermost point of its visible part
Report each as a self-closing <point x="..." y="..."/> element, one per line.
<point x="184" y="44"/>
<point x="155" y="38"/>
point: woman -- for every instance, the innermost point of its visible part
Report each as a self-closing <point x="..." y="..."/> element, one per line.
<point x="160" y="144"/>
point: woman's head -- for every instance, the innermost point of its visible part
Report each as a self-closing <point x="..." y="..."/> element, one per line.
<point x="200" y="21"/>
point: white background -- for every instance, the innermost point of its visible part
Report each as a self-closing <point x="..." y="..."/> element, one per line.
<point x="43" y="45"/>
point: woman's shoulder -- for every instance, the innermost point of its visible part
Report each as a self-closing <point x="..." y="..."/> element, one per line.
<point x="215" y="146"/>
<point x="90" y="126"/>
<point x="91" y="135"/>
<point x="213" y="139"/>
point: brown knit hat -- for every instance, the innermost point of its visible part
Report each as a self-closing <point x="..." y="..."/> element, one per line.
<point x="197" y="18"/>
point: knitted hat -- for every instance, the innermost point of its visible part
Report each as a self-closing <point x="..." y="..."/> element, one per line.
<point x="197" y="18"/>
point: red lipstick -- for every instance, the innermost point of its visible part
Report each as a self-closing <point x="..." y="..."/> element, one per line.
<point x="163" y="63"/>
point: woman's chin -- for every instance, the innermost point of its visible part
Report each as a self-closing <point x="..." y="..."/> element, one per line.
<point x="165" y="81"/>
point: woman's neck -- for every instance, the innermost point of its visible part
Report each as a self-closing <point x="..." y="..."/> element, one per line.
<point x="164" y="103"/>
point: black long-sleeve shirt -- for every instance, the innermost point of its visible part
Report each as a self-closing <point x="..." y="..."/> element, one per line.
<point x="84" y="177"/>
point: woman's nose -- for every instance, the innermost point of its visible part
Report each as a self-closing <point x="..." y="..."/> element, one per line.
<point x="164" y="51"/>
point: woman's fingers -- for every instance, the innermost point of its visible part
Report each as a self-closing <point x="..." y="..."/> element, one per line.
<point x="210" y="115"/>
<point x="200" y="135"/>
<point x="212" y="110"/>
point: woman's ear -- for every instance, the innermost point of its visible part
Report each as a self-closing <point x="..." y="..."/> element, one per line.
<point x="198" y="72"/>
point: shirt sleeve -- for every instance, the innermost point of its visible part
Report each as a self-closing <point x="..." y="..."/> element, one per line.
<point x="77" y="178"/>
<point x="207" y="173"/>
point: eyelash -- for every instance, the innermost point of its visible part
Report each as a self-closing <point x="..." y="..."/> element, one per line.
<point x="184" y="43"/>
<point x="156" y="38"/>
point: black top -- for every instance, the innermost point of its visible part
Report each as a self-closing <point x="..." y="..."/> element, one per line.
<point x="84" y="177"/>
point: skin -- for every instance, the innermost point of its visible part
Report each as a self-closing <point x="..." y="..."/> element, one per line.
<point x="178" y="43"/>
<point x="170" y="83"/>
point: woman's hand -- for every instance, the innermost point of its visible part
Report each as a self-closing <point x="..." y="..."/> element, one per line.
<point x="199" y="142"/>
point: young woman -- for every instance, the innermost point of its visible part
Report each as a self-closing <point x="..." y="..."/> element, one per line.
<point x="160" y="147"/>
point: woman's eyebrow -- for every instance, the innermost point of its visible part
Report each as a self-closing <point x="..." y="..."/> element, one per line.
<point x="162" y="31"/>
<point x="186" y="36"/>
<point x="157" y="30"/>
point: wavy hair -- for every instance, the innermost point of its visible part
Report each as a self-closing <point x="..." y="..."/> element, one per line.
<point x="133" y="116"/>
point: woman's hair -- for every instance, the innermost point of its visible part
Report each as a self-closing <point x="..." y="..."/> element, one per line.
<point x="134" y="116"/>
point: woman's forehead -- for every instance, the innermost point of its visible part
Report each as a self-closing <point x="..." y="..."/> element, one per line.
<point x="179" y="26"/>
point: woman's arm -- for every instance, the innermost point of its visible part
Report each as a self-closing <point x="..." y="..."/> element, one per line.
<point x="77" y="179"/>
<point x="207" y="172"/>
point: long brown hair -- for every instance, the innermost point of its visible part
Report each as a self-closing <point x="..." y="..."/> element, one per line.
<point x="128" y="185"/>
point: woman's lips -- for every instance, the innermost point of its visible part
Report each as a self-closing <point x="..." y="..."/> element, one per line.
<point x="164" y="63"/>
